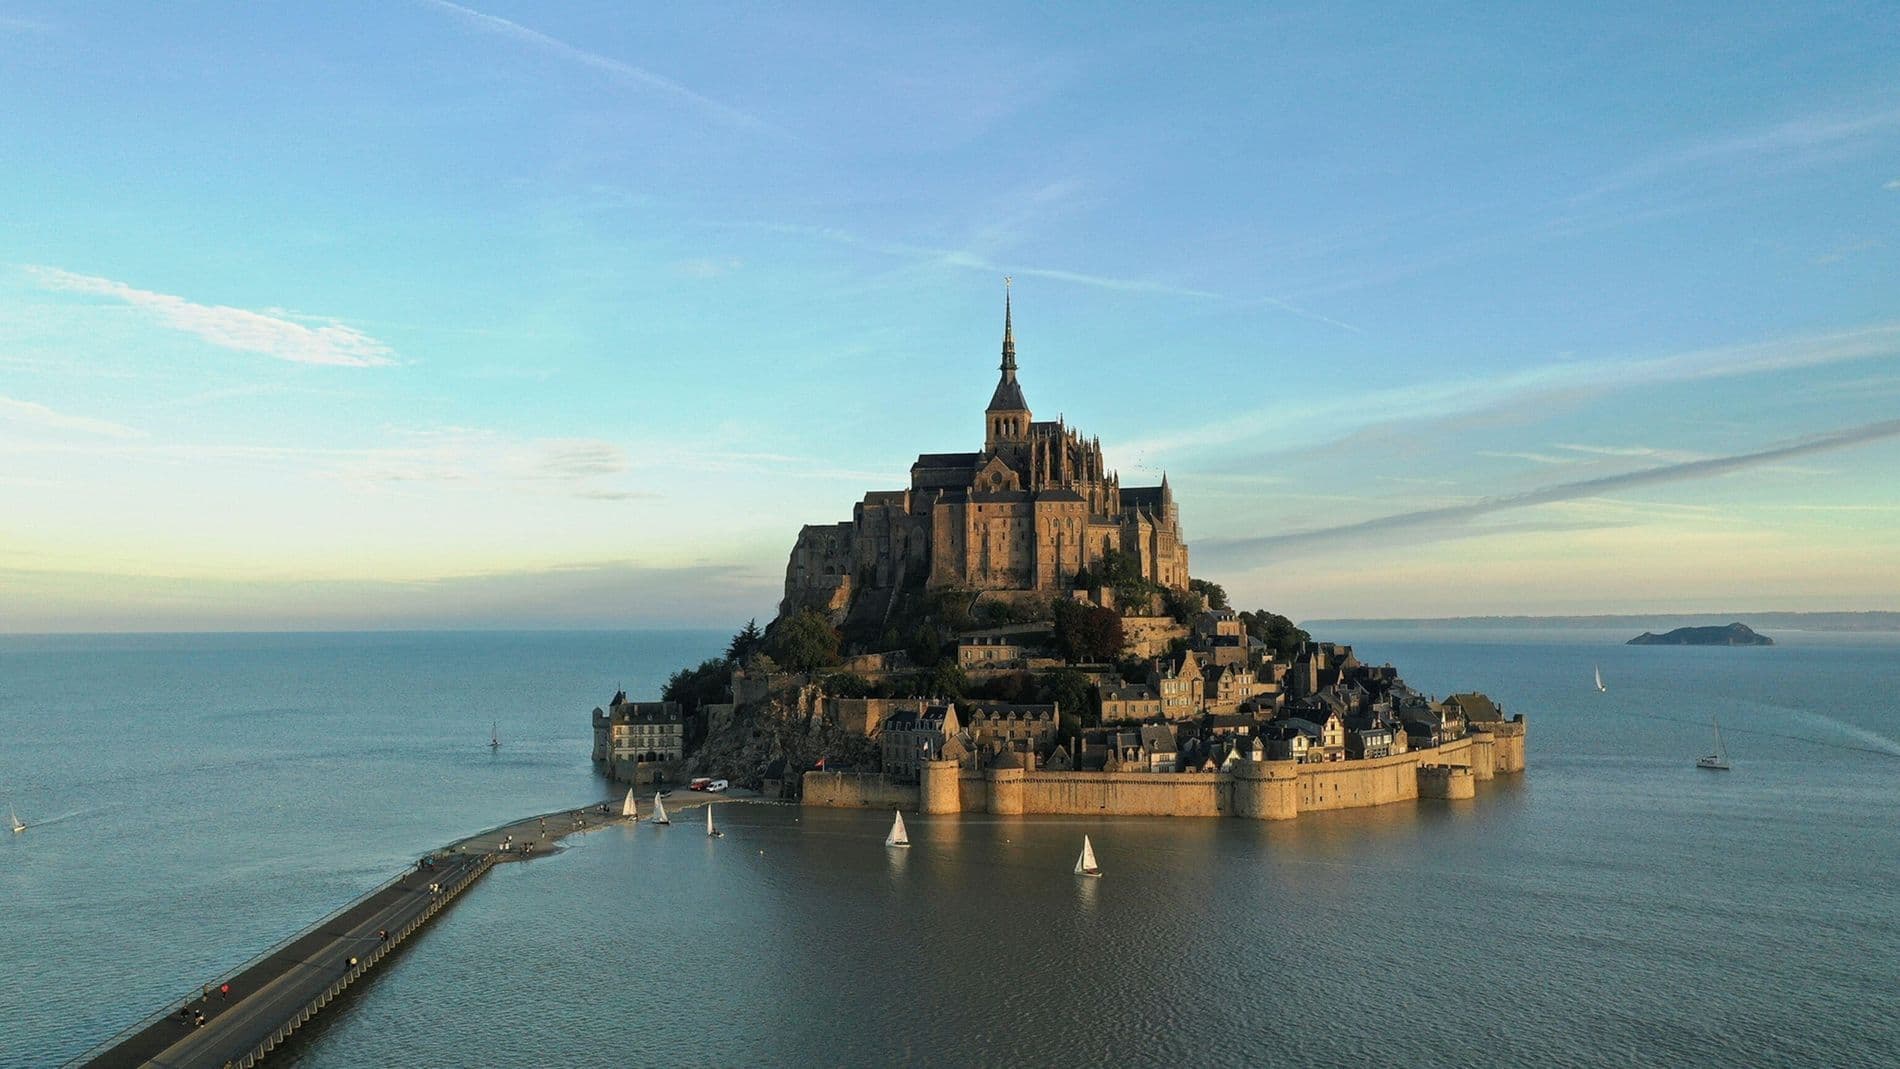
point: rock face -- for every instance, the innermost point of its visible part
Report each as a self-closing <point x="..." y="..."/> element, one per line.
<point x="1732" y="635"/>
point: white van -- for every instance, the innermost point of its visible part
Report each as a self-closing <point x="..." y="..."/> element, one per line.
<point x="717" y="785"/>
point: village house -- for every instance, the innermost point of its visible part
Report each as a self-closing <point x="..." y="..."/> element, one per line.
<point x="995" y="726"/>
<point x="638" y="733"/>
<point x="1179" y="683"/>
<point x="910" y="734"/>
<point x="1130" y="701"/>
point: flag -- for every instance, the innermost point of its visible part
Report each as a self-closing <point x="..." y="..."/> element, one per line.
<point x="821" y="763"/>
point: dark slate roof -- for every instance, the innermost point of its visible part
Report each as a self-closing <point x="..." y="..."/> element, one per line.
<point x="1059" y="495"/>
<point x="1157" y="738"/>
<point x="1132" y="692"/>
<point x="1008" y="397"/>
<point x="1137" y="496"/>
<point x="1001" y="710"/>
<point x="947" y="460"/>
<point x="1476" y="706"/>
<point x="647" y="713"/>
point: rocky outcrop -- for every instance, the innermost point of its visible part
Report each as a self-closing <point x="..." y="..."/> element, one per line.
<point x="1732" y="635"/>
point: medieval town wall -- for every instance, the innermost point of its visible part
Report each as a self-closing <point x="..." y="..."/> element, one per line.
<point x="858" y="790"/>
<point x="1253" y="790"/>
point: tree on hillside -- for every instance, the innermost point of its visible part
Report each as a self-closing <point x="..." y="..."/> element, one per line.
<point x="1183" y="605"/>
<point x="707" y="684"/>
<point x="1211" y="592"/>
<point x="805" y="642"/>
<point x="747" y="642"/>
<point x="1087" y="633"/>
<point x="1275" y="632"/>
<point x="1072" y="691"/>
<point x="846" y="685"/>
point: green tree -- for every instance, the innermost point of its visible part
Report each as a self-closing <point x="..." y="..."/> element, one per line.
<point x="707" y="684"/>
<point x="1087" y="633"/>
<point x="1278" y="634"/>
<point x="1077" y="697"/>
<point x="747" y="642"/>
<point x="1211" y="592"/>
<point x="926" y="646"/>
<point x="1183" y="605"/>
<point x="805" y="642"/>
<point x="846" y="685"/>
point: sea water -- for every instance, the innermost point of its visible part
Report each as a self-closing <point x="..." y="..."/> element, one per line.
<point x="197" y="798"/>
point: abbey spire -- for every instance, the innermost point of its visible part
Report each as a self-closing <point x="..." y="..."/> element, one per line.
<point x="1007" y="418"/>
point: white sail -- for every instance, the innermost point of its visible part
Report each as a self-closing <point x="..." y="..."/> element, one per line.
<point x="898" y="836"/>
<point x="710" y="830"/>
<point x="494" y="735"/>
<point x="659" y="811"/>
<point x="1719" y="759"/>
<point x="1085" y="865"/>
<point x="628" y="807"/>
<point x="18" y="824"/>
<point x="1600" y="686"/>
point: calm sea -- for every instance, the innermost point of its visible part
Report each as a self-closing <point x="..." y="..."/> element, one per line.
<point x="197" y="798"/>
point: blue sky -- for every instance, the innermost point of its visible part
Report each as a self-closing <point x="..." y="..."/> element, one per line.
<point x="421" y="314"/>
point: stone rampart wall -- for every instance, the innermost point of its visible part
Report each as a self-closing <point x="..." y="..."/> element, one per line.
<point x="1355" y="784"/>
<point x="858" y="790"/>
<point x="1267" y="790"/>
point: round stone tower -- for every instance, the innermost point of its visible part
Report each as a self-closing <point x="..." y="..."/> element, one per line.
<point x="1266" y="790"/>
<point x="1006" y="789"/>
<point x="938" y="788"/>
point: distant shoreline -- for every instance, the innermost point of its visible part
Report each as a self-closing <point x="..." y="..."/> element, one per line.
<point x="1873" y="621"/>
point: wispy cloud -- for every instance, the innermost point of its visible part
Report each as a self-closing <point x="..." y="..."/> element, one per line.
<point x="33" y="414"/>
<point x="239" y="329"/>
<point x="1788" y="141"/>
<point x="1535" y="458"/>
<point x="1328" y="419"/>
<point x="617" y="70"/>
<point x="1434" y="524"/>
<point x="1893" y="185"/>
<point x="967" y="259"/>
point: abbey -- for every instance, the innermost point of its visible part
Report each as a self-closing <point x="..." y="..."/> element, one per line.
<point x="1023" y="515"/>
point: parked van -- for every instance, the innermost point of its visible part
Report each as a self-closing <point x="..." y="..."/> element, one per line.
<point x="700" y="784"/>
<point x="717" y="785"/>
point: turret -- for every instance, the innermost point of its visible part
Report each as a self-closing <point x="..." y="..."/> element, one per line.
<point x="1007" y="418"/>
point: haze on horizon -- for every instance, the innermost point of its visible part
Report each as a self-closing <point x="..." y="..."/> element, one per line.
<point x="433" y="315"/>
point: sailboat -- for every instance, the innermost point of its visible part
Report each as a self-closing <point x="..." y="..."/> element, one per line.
<point x="1717" y="761"/>
<point x="711" y="831"/>
<point x="659" y="810"/>
<point x="629" y="808"/>
<point x="1085" y="865"/>
<point x="898" y="836"/>
<point x="1600" y="687"/>
<point x="494" y="736"/>
<point x="18" y="824"/>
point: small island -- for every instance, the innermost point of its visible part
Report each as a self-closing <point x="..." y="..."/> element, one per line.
<point x="1018" y="632"/>
<point x="1737" y="634"/>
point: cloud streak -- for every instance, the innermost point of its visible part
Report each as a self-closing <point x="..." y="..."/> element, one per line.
<point x="1451" y="520"/>
<point x="1334" y="418"/>
<point x="617" y="70"/>
<point x="33" y="414"/>
<point x="239" y="329"/>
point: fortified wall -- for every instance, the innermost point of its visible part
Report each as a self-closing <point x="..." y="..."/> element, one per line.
<point x="1253" y="790"/>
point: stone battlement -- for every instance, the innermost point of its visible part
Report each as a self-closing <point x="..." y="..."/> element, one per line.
<point x="1253" y="790"/>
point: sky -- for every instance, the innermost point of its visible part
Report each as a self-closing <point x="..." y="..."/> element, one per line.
<point x="417" y="314"/>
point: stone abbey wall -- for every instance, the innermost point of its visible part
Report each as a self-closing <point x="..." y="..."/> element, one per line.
<point x="1254" y="790"/>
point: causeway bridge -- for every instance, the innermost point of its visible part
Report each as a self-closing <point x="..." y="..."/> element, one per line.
<point x="280" y="990"/>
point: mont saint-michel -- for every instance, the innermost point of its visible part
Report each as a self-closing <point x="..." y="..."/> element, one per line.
<point x="1017" y="631"/>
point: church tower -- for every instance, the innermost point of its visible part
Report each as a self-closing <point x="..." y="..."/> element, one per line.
<point x="1007" y="418"/>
